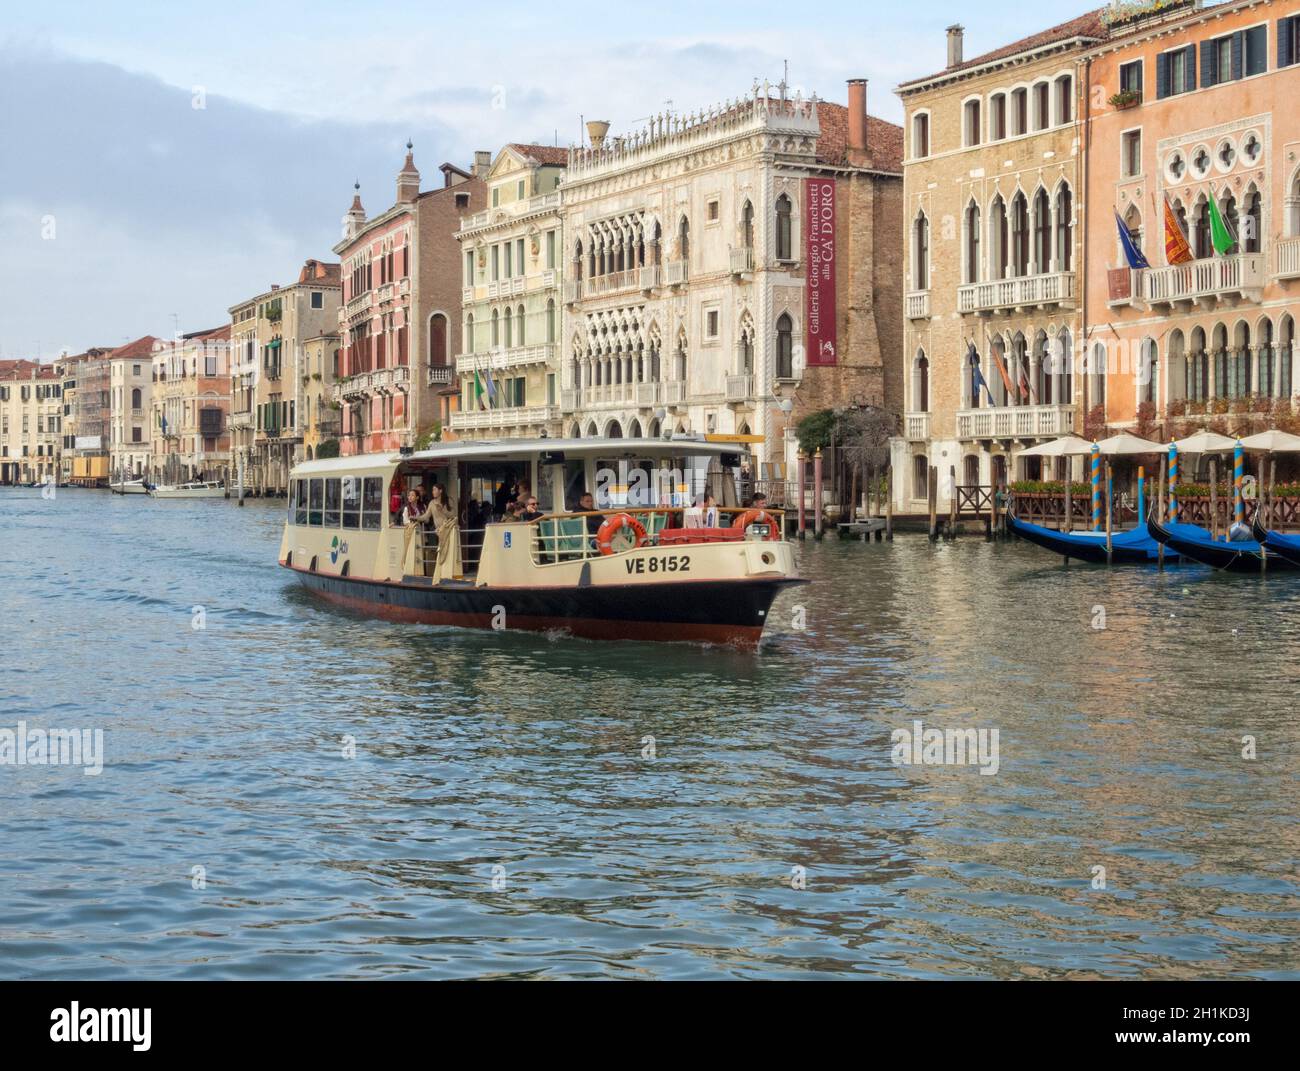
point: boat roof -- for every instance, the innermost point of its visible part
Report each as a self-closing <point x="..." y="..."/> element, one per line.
<point x="522" y="449"/>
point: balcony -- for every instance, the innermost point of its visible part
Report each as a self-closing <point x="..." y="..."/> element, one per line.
<point x="918" y="305"/>
<point x="572" y="290"/>
<point x="1015" y="422"/>
<point x="515" y="357"/>
<point x="439" y="375"/>
<point x="1023" y="292"/>
<point x="674" y="273"/>
<point x="385" y="292"/>
<point x="742" y="260"/>
<point x="650" y="277"/>
<point x="358" y="305"/>
<point x="1124" y="287"/>
<point x="916" y="427"/>
<point x="1210" y="279"/>
<point x="466" y="295"/>
<point x="569" y="401"/>
<point x="1288" y="258"/>
<point x="647" y="395"/>
<point x="739" y="389"/>
<point x="675" y="392"/>
<point x="511" y="417"/>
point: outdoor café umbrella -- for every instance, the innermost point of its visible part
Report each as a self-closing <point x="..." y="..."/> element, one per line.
<point x="1065" y="446"/>
<point x="1205" y="442"/>
<point x="1273" y="442"/>
<point x="1126" y="445"/>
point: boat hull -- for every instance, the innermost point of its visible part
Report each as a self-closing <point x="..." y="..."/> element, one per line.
<point x="731" y="612"/>
<point x="1132" y="547"/>
<point x="1278" y="545"/>
<point x="1243" y="556"/>
<point x="180" y="492"/>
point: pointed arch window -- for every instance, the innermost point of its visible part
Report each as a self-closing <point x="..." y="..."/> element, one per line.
<point x="1042" y="233"/>
<point x="1065" y="229"/>
<point x="972" y="265"/>
<point x="784" y="233"/>
<point x="921" y="253"/>
<point x="921" y="383"/>
<point x="784" y="347"/>
<point x="684" y="238"/>
<point x="747" y="226"/>
<point x="1019" y="235"/>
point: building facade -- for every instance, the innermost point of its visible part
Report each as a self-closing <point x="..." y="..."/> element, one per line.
<point x="130" y="385"/>
<point x="190" y="408"/>
<point x="321" y="419"/>
<point x="400" y="320"/>
<point x="722" y="264"/>
<point x="1195" y="107"/>
<point x="88" y="432"/>
<point x="31" y="422"/>
<point x="993" y="180"/>
<point x="511" y="256"/>
<point x="268" y="392"/>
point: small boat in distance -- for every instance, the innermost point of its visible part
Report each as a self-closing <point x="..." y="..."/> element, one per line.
<point x="130" y="487"/>
<point x="193" y="489"/>
<point x="1134" y="546"/>
<point x="630" y="567"/>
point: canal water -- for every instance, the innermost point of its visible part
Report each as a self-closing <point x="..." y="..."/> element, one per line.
<point x="505" y="812"/>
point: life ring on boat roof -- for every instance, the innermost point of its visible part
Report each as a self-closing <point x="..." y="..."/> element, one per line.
<point x="758" y="516"/>
<point x="615" y="524"/>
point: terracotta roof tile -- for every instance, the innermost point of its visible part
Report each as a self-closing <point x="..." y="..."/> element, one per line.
<point x="141" y="347"/>
<point x="543" y="154"/>
<point x="1086" y="25"/>
<point x="884" y="139"/>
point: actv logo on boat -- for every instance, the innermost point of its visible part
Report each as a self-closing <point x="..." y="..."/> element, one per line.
<point x="919" y="746"/>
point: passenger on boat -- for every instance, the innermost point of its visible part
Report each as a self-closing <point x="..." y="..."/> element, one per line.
<point x="587" y="504"/>
<point x="694" y="515"/>
<point x="759" y="501"/>
<point x="710" y="511"/>
<point x="441" y="514"/>
<point x="505" y="494"/>
<point x="530" y="511"/>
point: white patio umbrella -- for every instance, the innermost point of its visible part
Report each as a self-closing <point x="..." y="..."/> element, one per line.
<point x="1205" y="442"/>
<point x="1273" y="442"/>
<point x="1065" y="446"/>
<point x="1126" y="445"/>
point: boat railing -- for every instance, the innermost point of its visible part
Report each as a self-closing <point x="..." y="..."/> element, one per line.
<point x="564" y="537"/>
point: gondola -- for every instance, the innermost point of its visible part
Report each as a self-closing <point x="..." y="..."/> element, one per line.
<point x="1134" y="546"/>
<point x="1239" y="556"/>
<point x="1286" y="547"/>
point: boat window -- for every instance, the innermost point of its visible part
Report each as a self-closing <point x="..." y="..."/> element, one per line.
<point x="317" y="498"/>
<point x="372" y="503"/>
<point x="332" y="503"/>
<point x="351" y="501"/>
<point x="300" y="502"/>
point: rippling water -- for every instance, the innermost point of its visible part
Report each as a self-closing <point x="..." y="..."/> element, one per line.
<point x="1120" y="748"/>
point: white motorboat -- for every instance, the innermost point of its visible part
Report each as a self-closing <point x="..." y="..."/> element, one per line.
<point x="193" y="489"/>
<point x="130" y="487"/>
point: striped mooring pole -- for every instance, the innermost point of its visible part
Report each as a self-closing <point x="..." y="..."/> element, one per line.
<point x="1096" y="488"/>
<point x="1238" y="473"/>
<point x="1173" y="483"/>
<point x="1142" y="496"/>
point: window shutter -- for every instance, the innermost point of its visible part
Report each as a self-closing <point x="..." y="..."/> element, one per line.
<point x="1238" y="50"/>
<point x="1162" y="75"/>
<point x="1209" y="64"/>
<point x="1285" y="41"/>
<point x="1191" y="67"/>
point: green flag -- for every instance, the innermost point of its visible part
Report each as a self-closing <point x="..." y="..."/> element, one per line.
<point x="478" y="390"/>
<point x="1220" y="235"/>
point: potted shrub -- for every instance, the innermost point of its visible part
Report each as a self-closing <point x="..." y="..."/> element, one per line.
<point x="1125" y="99"/>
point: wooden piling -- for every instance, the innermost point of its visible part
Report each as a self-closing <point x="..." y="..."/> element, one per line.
<point x="1214" y="499"/>
<point x="889" y="505"/>
<point x="932" y="492"/>
<point x="952" y="501"/>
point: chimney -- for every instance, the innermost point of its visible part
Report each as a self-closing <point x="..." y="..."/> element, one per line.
<point x="596" y="131"/>
<point x="858" y="123"/>
<point x="956" y="36"/>
<point x="482" y="163"/>
<point x="408" y="179"/>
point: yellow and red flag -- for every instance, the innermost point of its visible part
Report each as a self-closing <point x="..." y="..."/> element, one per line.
<point x="1177" y="251"/>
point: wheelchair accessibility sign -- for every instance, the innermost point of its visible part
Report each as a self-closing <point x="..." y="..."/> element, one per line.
<point x="508" y="535"/>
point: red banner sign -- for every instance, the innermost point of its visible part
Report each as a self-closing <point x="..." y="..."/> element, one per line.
<point x="819" y="248"/>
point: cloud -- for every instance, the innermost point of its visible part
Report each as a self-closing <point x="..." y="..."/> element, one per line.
<point x="158" y="206"/>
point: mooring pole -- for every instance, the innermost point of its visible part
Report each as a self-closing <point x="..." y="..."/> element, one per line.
<point x="889" y="504"/>
<point x="932" y="491"/>
<point x="802" y="514"/>
<point x="817" y="494"/>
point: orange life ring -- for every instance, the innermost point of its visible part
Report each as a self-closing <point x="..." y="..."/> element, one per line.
<point x="615" y="524"/>
<point x="758" y="516"/>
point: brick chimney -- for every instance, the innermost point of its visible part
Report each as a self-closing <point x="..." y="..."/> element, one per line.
<point x="482" y="163"/>
<point x="408" y="179"/>
<point x="956" y="38"/>
<point x="859" y="154"/>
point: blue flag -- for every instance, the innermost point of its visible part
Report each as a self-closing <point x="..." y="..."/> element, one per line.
<point x="1135" y="257"/>
<point x="977" y="379"/>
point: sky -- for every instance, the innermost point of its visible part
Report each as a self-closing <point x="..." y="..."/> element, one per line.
<point x="160" y="162"/>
